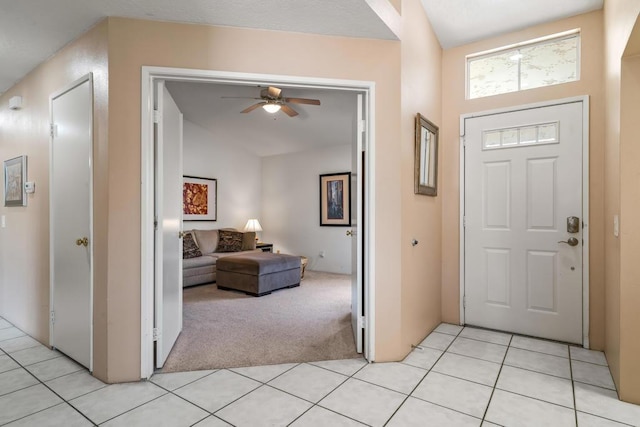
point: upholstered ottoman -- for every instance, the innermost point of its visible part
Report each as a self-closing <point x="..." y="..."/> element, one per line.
<point x="258" y="274"/>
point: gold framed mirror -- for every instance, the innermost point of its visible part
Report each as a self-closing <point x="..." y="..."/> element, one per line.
<point x="426" y="157"/>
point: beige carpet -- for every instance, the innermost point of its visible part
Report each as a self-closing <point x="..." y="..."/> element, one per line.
<point x="225" y="329"/>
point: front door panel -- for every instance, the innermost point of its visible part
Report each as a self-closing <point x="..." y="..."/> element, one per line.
<point x="523" y="179"/>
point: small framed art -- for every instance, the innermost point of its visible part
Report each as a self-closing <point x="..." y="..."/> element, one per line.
<point x="335" y="199"/>
<point x="15" y="175"/>
<point x="199" y="198"/>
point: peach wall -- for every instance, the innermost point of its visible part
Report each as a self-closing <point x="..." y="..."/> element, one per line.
<point x="629" y="382"/>
<point x="134" y="43"/>
<point x="24" y="243"/>
<point x="421" y="215"/>
<point x="454" y="104"/>
<point x="621" y="182"/>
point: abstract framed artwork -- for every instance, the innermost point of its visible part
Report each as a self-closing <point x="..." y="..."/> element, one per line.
<point x="335" y="199"/>
<point x="15" y="175"/>
<point x="199" y="198"/>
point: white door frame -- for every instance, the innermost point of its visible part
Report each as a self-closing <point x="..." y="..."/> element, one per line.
<point x="149" y="75"/>
<point x="87" y="77"/>
<point x="585" y="198"/>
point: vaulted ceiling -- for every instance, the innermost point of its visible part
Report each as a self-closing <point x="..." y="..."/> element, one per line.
<point x="33" y="30"/>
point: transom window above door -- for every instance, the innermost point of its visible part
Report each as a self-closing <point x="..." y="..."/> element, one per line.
<point x="536" y="63"/>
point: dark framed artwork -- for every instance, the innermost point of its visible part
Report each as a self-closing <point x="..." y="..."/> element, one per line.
<point x="199" y="198"/>
<point x="426" y="157"/>
<point x="335" y="199"/>
<point x="15" y="175"/>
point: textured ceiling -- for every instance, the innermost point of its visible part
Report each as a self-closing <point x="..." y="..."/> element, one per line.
<point x="33" y="30"/>
<point x="262" y="133"/>
<point x="458" y="22"/>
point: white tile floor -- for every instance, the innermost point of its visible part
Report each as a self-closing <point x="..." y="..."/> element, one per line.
<point x="456" y="377"/>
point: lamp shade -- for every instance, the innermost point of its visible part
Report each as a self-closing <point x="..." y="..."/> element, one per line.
<point x="252" y="225"/>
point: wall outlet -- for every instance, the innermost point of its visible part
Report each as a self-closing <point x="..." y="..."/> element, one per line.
<point x="616" y="225"/>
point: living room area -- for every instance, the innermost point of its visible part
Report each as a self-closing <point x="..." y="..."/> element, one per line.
<point x="264" y="173"/>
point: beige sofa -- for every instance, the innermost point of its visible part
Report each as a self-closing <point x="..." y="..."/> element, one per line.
<point x="202" y="269"/>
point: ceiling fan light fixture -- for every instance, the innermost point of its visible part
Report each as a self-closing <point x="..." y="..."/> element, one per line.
<point x="271" y="107"/>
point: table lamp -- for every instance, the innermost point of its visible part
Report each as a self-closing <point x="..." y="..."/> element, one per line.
<point x="253" y="225"/>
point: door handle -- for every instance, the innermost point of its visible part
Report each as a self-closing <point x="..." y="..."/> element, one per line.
<point x="572" y="241"/>
<point x="83" y="242"/>
<point x="351" y="232"/>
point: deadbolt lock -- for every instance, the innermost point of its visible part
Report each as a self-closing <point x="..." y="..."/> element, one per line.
<point x="573" y="224"/>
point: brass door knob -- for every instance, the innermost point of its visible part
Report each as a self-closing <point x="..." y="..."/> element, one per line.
<point x="351" y="233"/>
<point x="83" y="242"/>
<point x="181" y="234"/>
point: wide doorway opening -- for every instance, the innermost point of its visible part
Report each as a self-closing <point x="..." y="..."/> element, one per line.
<point x="210" y="132"/>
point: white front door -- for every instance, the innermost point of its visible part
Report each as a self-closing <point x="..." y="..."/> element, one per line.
<point x="168" y="274"/>
<point x="523" y="202"/>
<point x="70" y="211"/>
<point x="357" y="231"/>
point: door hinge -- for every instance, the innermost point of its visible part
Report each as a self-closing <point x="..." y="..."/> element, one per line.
<point x="53" y="317"/>
<point x="53" y="130"/>
<point x="155" y="334"/>
<point x="464" y="301"/>
<point x="464" y="221"/>
<point x="155" y="223"/>
<point x="361" y="322"/>
<point x="362" y="129"/>
<point x="362" y="126"/>
<point x="156" y="116"/>
<point x="464" y="141"/>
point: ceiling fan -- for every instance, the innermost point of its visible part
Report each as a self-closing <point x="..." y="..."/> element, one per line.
<point x="272" y="101"/>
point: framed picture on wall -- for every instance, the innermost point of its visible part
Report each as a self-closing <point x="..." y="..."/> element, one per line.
<point x="199" y="198"/>
<point x="335" y="199"/>
<point x="426" y="157"/>
<point x="15" y="175"/>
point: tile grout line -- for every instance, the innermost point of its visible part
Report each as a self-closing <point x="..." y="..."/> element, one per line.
<point x="573" y="389"/>
<point x="51" y="390"/>
<point x="318" y="402"/>
<point x="262" y="383"/>
<point x="608" y="419"/>
<point x="427" y="373"/>
<point x="131" y="409"/>
<point x="484" y="416"/>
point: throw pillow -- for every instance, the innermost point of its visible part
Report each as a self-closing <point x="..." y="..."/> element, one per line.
<point x="229" y="241"/>
<point x="248" y="240"/>
<point x="189" y="247"/>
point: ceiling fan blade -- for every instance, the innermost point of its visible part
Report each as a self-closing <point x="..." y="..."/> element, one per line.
<point x="271" y="92"/>
<point x="302" y="101"/>
<point x="238" y="97"/>
<point x="289" y="111"/>
<point x="253" y="107"/>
